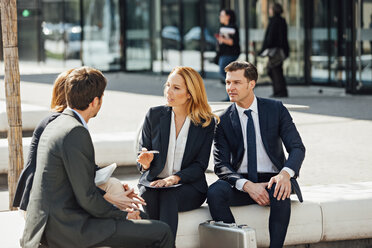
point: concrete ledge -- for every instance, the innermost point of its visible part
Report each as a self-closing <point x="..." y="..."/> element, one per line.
<point x="305" y="225"/>
<point x="109" y="148"/>
<point x="330" y="213"/>
<point x="346" y="210"/>
<point x="31" y="116"/>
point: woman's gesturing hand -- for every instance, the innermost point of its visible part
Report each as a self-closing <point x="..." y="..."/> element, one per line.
<point x="145" y="159"/>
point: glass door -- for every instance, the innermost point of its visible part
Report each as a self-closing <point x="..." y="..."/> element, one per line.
<point x="171" y="37"/>
<point x="137" y="35"/>
<point x="101" y="34"/>
<point x="212" y="11"/>
<point x="363" y="44"/>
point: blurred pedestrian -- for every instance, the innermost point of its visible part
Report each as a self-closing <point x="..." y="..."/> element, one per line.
<point x="276" y="47"/>
<point x="228" y="41"/>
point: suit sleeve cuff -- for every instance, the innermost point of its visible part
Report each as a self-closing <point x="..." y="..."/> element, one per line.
<point x="240" y="183"/>
<point x="290" y="171"/>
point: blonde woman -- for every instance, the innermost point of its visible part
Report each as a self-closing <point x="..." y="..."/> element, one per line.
<point x="173" y="180"/>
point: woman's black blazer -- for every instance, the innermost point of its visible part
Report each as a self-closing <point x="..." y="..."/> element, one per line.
<point x="26" y="178"/>
<point x="155" y="136"/>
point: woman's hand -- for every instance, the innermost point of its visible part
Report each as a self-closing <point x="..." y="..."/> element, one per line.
<point x="166" y="182"/>
<point x="145" y="159"/>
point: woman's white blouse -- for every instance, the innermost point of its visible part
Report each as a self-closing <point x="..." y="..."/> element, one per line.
<point x="176" y="148"/>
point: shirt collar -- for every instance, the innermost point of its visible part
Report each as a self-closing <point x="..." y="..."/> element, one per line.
<point x="80" y="117"/>
<point x="253" y="107"/>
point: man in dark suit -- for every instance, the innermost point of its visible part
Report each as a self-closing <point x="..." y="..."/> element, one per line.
<point x="249" y="156"/>
<point x="66" y="209"/>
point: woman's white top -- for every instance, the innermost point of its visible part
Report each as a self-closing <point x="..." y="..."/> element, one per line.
<point x="176" y="148"/>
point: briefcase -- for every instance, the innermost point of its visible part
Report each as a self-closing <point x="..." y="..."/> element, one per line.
<point x="221" y="235"/>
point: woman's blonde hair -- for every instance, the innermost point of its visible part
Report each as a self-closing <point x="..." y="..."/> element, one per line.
<point x="198" y="109"/>
<point x="58" y="103"/>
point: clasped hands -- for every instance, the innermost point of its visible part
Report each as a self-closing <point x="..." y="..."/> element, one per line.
<point x="129" y="201"/>
<point x="259" y="194"/>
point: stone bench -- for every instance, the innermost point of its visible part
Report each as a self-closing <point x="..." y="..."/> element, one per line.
<point x="31" y="116"/>
<point x="109" y="148"/>
<point x="329" y="213"/>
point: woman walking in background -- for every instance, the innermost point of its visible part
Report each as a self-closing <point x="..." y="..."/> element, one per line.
<point x="276" y="46"/>
<point x="228" y="41"/>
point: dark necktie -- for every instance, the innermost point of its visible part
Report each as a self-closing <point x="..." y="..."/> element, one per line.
<point x="251" y="148"/>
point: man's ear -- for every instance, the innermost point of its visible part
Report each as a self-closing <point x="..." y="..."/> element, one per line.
<point x="95" y="101"/>
<point x="252" y="84"/>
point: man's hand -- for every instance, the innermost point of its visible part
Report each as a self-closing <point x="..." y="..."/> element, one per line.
<point x="145" y="159"/>
<point x="258" y="192"/>
<point x="133" y="214"/>
<point x="123" y="201"/>
<point x="133" y="195"/>
<point x="166" y="182"/>
<point x="283" y="185"/>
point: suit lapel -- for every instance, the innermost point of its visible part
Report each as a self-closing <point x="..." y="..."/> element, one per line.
<point x="263" y="119"/>
<point x="165" y="121"/>
<point x="194" y="133"/>
<point x="235" y="122"/>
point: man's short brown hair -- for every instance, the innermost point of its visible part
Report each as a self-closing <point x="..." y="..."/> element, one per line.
<point x="250" y="71"/>
<point x="82" y="86"/>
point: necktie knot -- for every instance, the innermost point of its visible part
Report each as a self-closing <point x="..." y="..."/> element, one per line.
<point x="248" y="113"/>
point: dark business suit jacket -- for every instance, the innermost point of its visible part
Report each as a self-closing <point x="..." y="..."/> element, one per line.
<point x="155" y="136"/>
<point x="65" y="203"/>
<point x="26" y="178"/>
<point x="276" y="128"/>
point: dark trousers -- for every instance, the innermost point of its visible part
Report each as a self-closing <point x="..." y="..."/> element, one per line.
<point x="164" y="204"/>
<point x="279" y="83"/>
<point x="221" y="196"/>
<point x="140" y="233"/>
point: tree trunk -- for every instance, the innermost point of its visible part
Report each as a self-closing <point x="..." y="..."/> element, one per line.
<point x="12" y="92"/>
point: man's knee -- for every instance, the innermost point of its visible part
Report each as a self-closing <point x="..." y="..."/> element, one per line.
<point x="274" y="201"/>
<point x="218" y="190"/>
<point x="163" y="233"/>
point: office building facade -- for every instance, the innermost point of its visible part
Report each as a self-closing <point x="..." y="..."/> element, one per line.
<point x="330" y="40"/>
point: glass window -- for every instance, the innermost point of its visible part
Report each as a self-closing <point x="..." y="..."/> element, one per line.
<point x="61" y="32"/>
<point x="101" y="44"/>
<point x="212" y="23"/>
<point x="364" y="45"/>
<point x="170" y="34"/>
<point x="138" y="45"/>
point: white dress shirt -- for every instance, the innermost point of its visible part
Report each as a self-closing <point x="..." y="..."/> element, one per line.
<point x="264" y="164"/>
<point x="176" y="148"/>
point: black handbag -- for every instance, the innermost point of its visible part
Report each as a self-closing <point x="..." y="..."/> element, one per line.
<point x="276" y="56"/>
